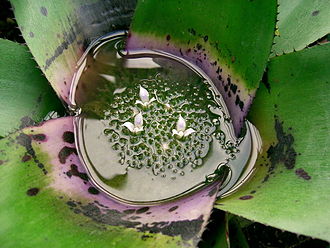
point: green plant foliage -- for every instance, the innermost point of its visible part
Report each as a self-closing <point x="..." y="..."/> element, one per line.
<point x="26" y="96"/>
<point x="300" y="23"/>
<point x="226" y="36"/>
<point x="291" y="189"/>
<point x="57" y="33"/>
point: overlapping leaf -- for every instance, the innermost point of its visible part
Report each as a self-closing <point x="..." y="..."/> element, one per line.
<point x="26" y="96"/>
<point x="58" y="33"/>
<point x="300" y="23"/>
<point x="291" y="189"/>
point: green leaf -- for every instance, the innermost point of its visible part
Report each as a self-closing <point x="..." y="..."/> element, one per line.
<point x="300" y="23"/>
<point x="229" y="40"/>
<point x="291" y="188"/>
<point x="57" y="33"/>
<point x="47" y="199"/>
<point x="26" y="96"/>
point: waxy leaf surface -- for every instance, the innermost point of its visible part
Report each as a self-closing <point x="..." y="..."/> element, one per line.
<point x="300" y="23"/>
<point x="291" y="188"/>
<point x="57" y="33"/>
<point x="26" y="96"/>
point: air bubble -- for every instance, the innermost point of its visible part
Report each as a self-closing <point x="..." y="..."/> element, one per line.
<point x="116" y="147"/>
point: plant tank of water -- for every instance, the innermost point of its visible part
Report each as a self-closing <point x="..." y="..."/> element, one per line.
<point x="151" y="127"/>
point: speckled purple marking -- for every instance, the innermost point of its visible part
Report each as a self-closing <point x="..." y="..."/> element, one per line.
<point x="188" y="220"/>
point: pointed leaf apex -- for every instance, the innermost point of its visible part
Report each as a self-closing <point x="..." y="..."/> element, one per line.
<point x="144" y="94"/>
<point x="181" y="124"/>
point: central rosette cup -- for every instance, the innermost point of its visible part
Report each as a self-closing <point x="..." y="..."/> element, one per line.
<point x="150" y="126"/>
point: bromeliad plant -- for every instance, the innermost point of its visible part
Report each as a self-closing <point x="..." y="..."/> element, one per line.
<point x="46" y="197"/>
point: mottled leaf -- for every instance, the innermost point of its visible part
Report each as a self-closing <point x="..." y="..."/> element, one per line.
<point x="26" y="96"/>
<point x="48" y="200"/>
<point x="291" y="188"/>
<point x="300" y="23"/>
<point x="229" y="40"/>
<point x="57" y="33"/>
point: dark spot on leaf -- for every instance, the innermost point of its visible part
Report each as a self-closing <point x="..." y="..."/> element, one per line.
<point x="43" y="11"/>
<point x="265" y="178"/>
<point x="26" y="121"/>
<point x="26" y="158"/>
<point x="213" y="191"/>
<point x="142" y="210"/>
<point x="32" y="191"/>
<point x="206" y="38"/>
<point x="31" y="34"/>
<point x="239" y="102"/>
<point x="105" y="216"/>
<point x="65" y="153"/>
<point x="315" y="13"/>
<point x="26" y="141"/>
<point x="71" y="204"/>
<point x="134" y="217"/>
<point x="283" y="151"/>
<point x="168" y="37"/>
<point x="265" y="80"/>
<point x="192" y="31"/>
<point x="77" y="211"/>
<point x="129" y="211"/>
<point x="93" y="191"/>
<point x="253" y="192"/>
<point x="144" y="237"/>
<point x="302" y="174"/>
<point x="68" y="137"/>
<point x="74" y="172"/>
<point x="233" y="88"/>
<point x="199" y="46"/>
<point x="187" y="229"/>
<point x="246" y="197"/>
<point x="173" y="208"/>
<point x="38" y="137"/>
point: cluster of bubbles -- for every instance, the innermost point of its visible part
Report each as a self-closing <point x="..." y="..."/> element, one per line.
<point x="155" y="147"/>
